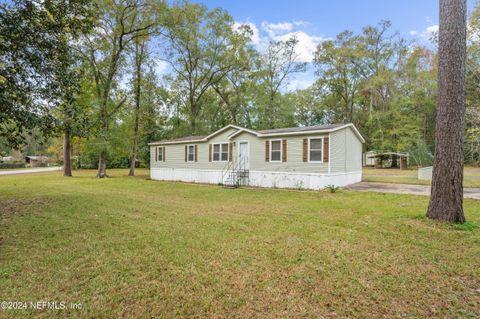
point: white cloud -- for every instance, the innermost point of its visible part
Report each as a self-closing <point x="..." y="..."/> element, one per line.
<point x="426" y="34"/>
<point x="431" y="29"/>
<point x="283" y="31"/>
<point x="161" y="67"/>
<point x="255" y="32"/>
<point x="300" y="83"/>
<point x="274" y="29"/>
<point x="306" y="46"/>
<point x="300" y="23"/>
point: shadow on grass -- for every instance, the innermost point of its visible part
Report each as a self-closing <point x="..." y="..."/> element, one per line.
<point x="467" y="226"/>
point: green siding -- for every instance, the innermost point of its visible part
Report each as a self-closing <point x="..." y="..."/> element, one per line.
<point x="354" y="152"/>
<point x="175" y="154"/>
<point x="345" y="153"/>
<point x="337" y="151"/>
<point x="294" y="161"/>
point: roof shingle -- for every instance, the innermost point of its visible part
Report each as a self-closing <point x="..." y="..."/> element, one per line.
<point x="261" y="132"/>
<point x="183" y="138"/>
<point x="301" y="129"/>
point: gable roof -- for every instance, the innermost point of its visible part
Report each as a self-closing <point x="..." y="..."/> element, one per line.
<point x="185" y="138"/>
<point x="301" y="129"/>
<point x="265" y="133"/>
<point x="195" y="138"/>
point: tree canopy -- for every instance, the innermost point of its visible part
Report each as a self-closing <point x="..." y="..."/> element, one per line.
<point x="70" y="65"/>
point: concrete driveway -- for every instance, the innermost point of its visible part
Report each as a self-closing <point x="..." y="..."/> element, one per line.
<point x="31" y="170"/>
<point x="473" y="193"/>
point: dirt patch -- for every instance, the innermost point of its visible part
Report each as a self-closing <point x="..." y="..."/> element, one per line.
<point x="20" y="206"/>
<point x="11" y="208"/>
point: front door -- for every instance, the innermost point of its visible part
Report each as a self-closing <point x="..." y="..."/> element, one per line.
<point x="243" y="155"/>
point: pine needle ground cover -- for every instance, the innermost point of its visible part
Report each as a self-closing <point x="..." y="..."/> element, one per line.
<point x="131" y="247"/>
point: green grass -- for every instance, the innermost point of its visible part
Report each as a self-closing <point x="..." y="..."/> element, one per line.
<point x="471" y="176"/>
<point x="135" y="248"/>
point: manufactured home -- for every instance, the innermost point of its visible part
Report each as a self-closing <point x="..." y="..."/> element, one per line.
<point x="300" y="157"/>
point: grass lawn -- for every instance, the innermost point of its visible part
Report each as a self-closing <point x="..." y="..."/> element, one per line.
<point x="133" y="248"/>
<point x="471" y="176"/>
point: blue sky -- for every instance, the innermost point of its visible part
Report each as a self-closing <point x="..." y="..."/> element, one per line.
<point x="313" y="21"/>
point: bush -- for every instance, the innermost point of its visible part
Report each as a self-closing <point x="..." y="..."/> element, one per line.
<point x="118" y="162"/>
<point x="331" y="188"/>
<point x="12" y="165"/>
<point x="420" y="154"/>
<point x="41" y="164"/>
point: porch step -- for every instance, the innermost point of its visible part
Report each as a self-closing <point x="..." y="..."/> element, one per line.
<point x="235" y="178"/>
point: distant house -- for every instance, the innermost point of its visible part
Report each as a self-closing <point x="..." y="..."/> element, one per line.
<point x="368" y="158"/>
<point x="299" y="157"/>
<point x="39" y="160"/>
<point x="391" y="159"/>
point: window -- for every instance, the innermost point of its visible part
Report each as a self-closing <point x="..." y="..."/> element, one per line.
<point x="220" y="152"/>
<point x="315" y="150"/>
<point x="191" y="153"/>
<point x="160" y="154"/>
<point x="275" y="150"/>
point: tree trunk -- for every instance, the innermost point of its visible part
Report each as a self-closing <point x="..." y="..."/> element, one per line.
<point x="102" y="165"/>
<point x="139" y="54"/>
<point x="133" y="158"/>
<point x="67" y="152"/>
<point x="446" y="201"/>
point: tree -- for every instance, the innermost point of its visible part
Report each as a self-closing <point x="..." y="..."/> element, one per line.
<point x="339" y="73"/>
<point x="203" y="48"/>
<point x="119" y="25"/>
<point x="276" y="66"/>
<point x="153" y="114"/>
<point x="446" y="201"/>
<point x="33" y="41"/>
<point x="71" y="117"/>
<point x="234" y="87"/>
<point x="140" y="55"/>
<point x="307" y="107"/>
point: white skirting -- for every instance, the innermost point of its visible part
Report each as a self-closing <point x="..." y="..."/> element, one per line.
<point x="208" y="176"/>
<point x="300" y="180"/>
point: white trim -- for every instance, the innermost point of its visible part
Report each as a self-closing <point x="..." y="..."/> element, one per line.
<point x="321" y="149"/>
<point x="176" y="142"/>
<point x="329" y="152"/>
<point x="188" y="153"/>
<point x="243" y="129"/>
<point x="258" y="134"/>
<point x="158" y="153"/>
<point x="299" y="132"/>
<point x="316" y="132"/>
<point x="220" y="152"/>
<point x="355" y="130"/>
<point x="206" y="138"/>
<point x="270" y="150"/>
<point x="248" y="151"/>
<point x="221" y="130"/>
